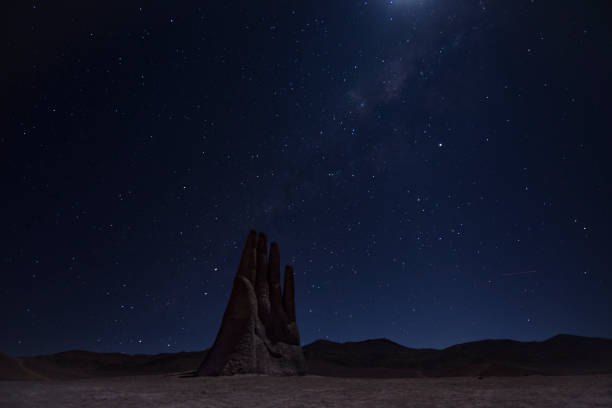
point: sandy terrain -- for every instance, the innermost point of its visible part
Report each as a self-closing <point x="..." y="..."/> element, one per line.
<point x="311" y="391"/>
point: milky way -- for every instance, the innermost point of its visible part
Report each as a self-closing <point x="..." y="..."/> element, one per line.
<point x="415" y="160"/>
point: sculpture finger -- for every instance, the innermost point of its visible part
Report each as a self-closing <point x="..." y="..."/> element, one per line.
<point x="274" y="278"/>
<point x="262" y="289"/>
<point x="278" y="318"/>
<point x="289" y="294"/>
<point x="247" y="263"/>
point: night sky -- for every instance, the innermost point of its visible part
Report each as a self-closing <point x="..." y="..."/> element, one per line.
<point x="436" y="171"/>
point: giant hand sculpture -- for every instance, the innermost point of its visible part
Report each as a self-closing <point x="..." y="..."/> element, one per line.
<point x="258" y="333"/>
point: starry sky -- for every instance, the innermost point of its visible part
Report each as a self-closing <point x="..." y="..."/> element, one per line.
<point x="436" y="171"/>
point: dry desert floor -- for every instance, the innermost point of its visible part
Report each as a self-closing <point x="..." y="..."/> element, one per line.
<point x="311" y="391"/>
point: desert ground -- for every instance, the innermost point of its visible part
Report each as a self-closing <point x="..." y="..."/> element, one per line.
<point x="311" y="391"/>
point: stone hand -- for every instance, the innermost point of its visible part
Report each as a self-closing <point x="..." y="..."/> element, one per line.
<point x="259" y="333"/>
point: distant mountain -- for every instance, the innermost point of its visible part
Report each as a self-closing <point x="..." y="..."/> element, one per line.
<point x="559" y="355"/>
<point x="86" y="364"/>
<point x="380" y="358"/>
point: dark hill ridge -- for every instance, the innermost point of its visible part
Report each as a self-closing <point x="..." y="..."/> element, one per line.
<point x="559" y="355"/>
<point x="380" y="358"/>
<point x="86" y="364"/>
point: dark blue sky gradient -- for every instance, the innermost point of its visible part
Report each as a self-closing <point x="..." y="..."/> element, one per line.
<point x="436" y="171"/>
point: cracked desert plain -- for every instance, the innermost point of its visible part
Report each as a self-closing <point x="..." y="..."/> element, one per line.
<point x="311" y="391"/>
